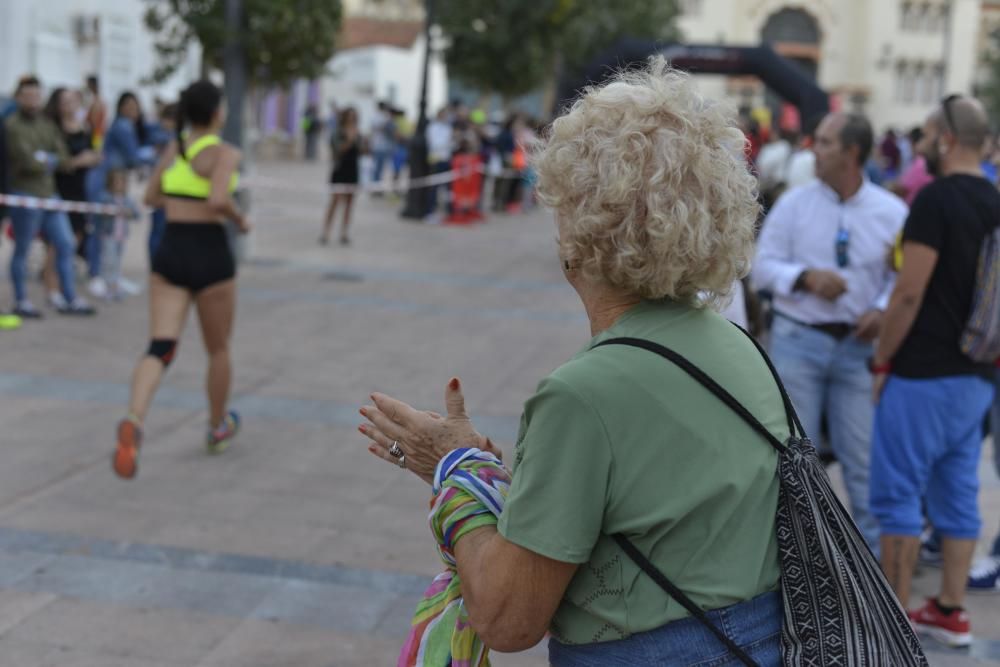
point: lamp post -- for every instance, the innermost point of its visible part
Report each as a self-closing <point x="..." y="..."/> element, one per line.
<point x="416" y="196"/>
<point x="234" y="65"/>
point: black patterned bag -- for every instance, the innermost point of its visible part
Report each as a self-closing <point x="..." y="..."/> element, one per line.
<point x="838" y="607"/>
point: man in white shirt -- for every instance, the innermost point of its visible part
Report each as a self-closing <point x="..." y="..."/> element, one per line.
<point x="823" y="252"/>
<point x="440" y="144"/>
<point x="772" y="163"/>
<point x="801" y="165"/>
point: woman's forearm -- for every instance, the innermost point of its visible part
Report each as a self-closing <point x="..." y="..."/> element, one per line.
<point x="228" y="209"/>
<point x="489" y="591"/>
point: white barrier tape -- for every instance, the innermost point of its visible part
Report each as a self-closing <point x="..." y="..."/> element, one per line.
<point x="46" y="204"/>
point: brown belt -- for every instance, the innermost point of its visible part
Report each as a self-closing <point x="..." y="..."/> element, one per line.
<point x="837" y="330"/>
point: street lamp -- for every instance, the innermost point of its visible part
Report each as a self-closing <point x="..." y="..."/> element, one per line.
<point x="416" y="196"/>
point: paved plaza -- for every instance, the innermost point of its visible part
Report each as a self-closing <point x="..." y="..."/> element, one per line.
<point x="296" y="548"/>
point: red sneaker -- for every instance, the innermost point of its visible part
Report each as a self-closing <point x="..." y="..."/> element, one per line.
<point x="952" y="629"/>
<point x="125" y="460"/>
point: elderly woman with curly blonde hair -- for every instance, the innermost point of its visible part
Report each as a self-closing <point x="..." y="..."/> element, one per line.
<point x="655" y="212"/>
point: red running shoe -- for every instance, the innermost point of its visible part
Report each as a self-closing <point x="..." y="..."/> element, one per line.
<point x="125" y="460"/>
<point x="952" y="629"/>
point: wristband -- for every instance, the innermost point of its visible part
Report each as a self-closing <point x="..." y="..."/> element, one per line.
<point x="879" y="369"/>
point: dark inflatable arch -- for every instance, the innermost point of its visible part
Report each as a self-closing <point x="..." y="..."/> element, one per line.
<point x="777" y="73"/>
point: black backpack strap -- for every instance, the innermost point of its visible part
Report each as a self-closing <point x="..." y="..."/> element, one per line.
<point x="686" y="602"/>
<point x="790" y="413"/>
<point x="708" y="383"/>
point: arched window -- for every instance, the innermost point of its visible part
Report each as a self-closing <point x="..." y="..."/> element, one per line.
<point x="924" y="17"/>
<point x="906" y="16"/>
<point x="934" y="20"/>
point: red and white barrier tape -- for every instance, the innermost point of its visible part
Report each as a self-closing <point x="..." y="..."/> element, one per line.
<point x="379" y="186"/>
<point x="49" y="204"/>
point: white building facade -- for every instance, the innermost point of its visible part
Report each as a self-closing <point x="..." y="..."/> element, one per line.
<point x="364" y="76"/>
<point x="891" y="59"/>
<point x="64" y="41"/>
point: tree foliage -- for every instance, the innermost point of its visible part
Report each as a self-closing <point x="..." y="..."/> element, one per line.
<point x="989" y="91"/>
<point x="512" y="46"/>
<point x="283" y="39"/>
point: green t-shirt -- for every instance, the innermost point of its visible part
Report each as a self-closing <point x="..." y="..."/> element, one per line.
<point x="620" y="440"/>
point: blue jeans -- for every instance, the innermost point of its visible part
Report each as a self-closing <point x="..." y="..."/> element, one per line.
<point x="754" y="625"/>
<point x="27" y="222"/>
<point x="928" y="436"/>
<point x="380" y="158"/>
<point x="823" y="374"/>
<point x="995" y="428"/>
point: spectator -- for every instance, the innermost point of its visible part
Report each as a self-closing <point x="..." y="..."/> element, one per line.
<point x="401" y="151"/>
<point x="382" y="141"/>
<point x="802" y="164"/>
<point x="331" y="124"/>
<point x="125" y="147"/>
<point x="440" y="145"/>
<point x="772" y="164"/>
<point x="346" y="154"/>
<point x="158" y="218"/>
<point x="890" y="157"/>
<point x="97" y="112"/>
<point x="3" y="171"/>
<point x="113" y="231"/>
<point x="931" y="397"/>
<point x="311" y="128"/>
<point x="823" y="254"/>
<point x="913" y="180"/>
<point x="62" y="109"/>
<point x="507" y="190"/>
<point x="591" y="460"/>
<point x="35" y="150"/>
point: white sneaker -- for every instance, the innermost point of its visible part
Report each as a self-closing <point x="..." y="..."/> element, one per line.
<point x="57" y="301"/>
<point x="98" y="288"/>
<point x="129" y="287"/>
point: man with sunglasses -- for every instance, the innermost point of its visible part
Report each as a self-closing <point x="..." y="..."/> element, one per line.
<point x="822" y="252"/>
<point x="931" y="396"/>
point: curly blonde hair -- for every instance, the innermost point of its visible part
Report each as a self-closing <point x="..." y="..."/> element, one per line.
<point x="650" y="184"/>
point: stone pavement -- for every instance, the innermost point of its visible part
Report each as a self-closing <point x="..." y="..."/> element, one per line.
<point x="296" y="548"/>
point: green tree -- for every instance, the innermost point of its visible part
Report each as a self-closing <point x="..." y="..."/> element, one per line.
<point x="284" y="40"/>
<point x="512" y="47"/>
<point x="989" y="91"/>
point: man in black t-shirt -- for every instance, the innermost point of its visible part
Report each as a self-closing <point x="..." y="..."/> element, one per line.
<point x="931" y="397"/>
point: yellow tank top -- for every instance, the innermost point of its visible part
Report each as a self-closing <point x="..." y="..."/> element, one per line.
<point x="181" y="180"/>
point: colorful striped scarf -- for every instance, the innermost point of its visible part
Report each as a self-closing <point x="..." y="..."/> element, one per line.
<point x="470" y="487"/>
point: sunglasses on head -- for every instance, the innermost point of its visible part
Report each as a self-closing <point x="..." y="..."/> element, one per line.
<point x="946" y="107"/>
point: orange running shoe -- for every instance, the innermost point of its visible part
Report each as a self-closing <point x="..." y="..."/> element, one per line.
<point x="125" y="460"/>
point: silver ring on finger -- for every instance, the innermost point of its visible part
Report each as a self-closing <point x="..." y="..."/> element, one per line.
<point x="402" y="461"/>
<point x="395" y="450"/>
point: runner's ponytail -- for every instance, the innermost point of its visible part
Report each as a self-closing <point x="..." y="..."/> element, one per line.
<point x="198" y="106"/>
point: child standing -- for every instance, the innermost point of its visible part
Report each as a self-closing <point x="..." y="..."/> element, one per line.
<point x="114" y="231"/>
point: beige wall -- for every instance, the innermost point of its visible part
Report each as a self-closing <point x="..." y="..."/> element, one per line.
<point x="862" y="46"/>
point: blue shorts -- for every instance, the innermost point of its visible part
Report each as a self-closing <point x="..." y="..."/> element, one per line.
<point x="926" y="445"/>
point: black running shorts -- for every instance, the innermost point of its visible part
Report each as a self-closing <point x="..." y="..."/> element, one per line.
<point x="194" y="255"/>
